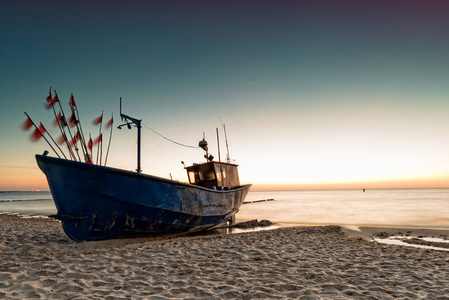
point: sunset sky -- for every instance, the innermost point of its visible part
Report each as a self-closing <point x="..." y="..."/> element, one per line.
<point x="314" y="94"/>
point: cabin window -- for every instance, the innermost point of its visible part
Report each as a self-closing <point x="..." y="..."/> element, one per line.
<point x="210" y="174"/>
<point x="192" y="176"/>
<point x="218" y="172"/>
<point x="225" y="174"/>
<point x="201" y="175"/>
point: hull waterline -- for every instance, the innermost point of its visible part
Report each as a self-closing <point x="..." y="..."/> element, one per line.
<point x="98" y="203"/>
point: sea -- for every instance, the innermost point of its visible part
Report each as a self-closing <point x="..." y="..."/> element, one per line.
<point x="424" y="208"/>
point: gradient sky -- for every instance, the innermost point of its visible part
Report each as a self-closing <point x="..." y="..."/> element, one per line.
<point x="314" y="94"/>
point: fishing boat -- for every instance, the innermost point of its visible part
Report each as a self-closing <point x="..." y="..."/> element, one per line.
<point x="96" y="202"/>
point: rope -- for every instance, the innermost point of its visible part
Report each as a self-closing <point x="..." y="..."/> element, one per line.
<point x="154" y="150"/>
<point x="169" y="139"/>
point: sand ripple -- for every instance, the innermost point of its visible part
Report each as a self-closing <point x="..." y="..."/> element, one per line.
<point x="37" y="260"/>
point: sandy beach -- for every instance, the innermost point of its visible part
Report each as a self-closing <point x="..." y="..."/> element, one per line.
<point x="37" y="260"/>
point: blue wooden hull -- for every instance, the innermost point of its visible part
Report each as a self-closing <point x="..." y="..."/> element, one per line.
<point x="98" y="203"/>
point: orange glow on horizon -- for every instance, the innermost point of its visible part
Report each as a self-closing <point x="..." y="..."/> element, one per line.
<point x="23" y="180"/>
<point x="264" y="177"/>
<point x="381" y="184"/>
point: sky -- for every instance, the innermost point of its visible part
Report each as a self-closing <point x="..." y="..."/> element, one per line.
<point x="314" y="94"/>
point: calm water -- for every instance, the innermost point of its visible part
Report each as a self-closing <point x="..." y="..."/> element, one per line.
<point x="393" y="207"/>
<point x="35" y="203"/>
<point x="426" y="208"/>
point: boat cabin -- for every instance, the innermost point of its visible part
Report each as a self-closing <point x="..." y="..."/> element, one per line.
<point x="212" y="174"/>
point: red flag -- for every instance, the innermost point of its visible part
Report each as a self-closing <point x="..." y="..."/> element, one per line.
<point x="73" y="121"/>
<point x="62" y="139"/>
<point x="72" y="101"/>
<point x="36" y="135"/>
<point x="98" y="120"/>
<point x="75" y="139"/>
<point x="98" y="139"/>
<point x="90" y="144"/>
<point x="49" y="98"/>
<point x="56" y="121"/>
<point x="27" y="124"/>
<point x="53" y="102"/>
<point x="89" y="161"/>
<point x="109" y="124"/>
<point x="42" y="128"/>
<point x="63" y="121"/>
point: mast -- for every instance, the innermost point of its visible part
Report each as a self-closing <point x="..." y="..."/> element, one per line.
<point x="228" y="159"/>
<point x="138" y="124"/>
<point x="218" y="142"/>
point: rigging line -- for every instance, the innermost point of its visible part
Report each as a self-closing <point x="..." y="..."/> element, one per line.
<point x="155" y="149"/>
<point x="169" y="139"/>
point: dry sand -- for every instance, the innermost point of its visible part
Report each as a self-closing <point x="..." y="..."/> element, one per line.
<point x="37" y="260"/>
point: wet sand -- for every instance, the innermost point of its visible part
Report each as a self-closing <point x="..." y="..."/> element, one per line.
<point x="37" y="260"/>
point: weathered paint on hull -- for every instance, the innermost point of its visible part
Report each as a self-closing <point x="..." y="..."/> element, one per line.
<point x="97" y="203"/>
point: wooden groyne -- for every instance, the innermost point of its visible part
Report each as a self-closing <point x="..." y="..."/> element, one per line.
<point x="263" y="200"/>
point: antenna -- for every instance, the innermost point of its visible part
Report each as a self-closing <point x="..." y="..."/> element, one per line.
<point x="218" y="142"/>
<point x="228" y="159"/>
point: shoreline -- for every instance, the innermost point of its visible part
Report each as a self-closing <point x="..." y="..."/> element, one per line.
<point x="39" y="261"/>
<point x="365" y="231"/>
<point x="364" y="228"/>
